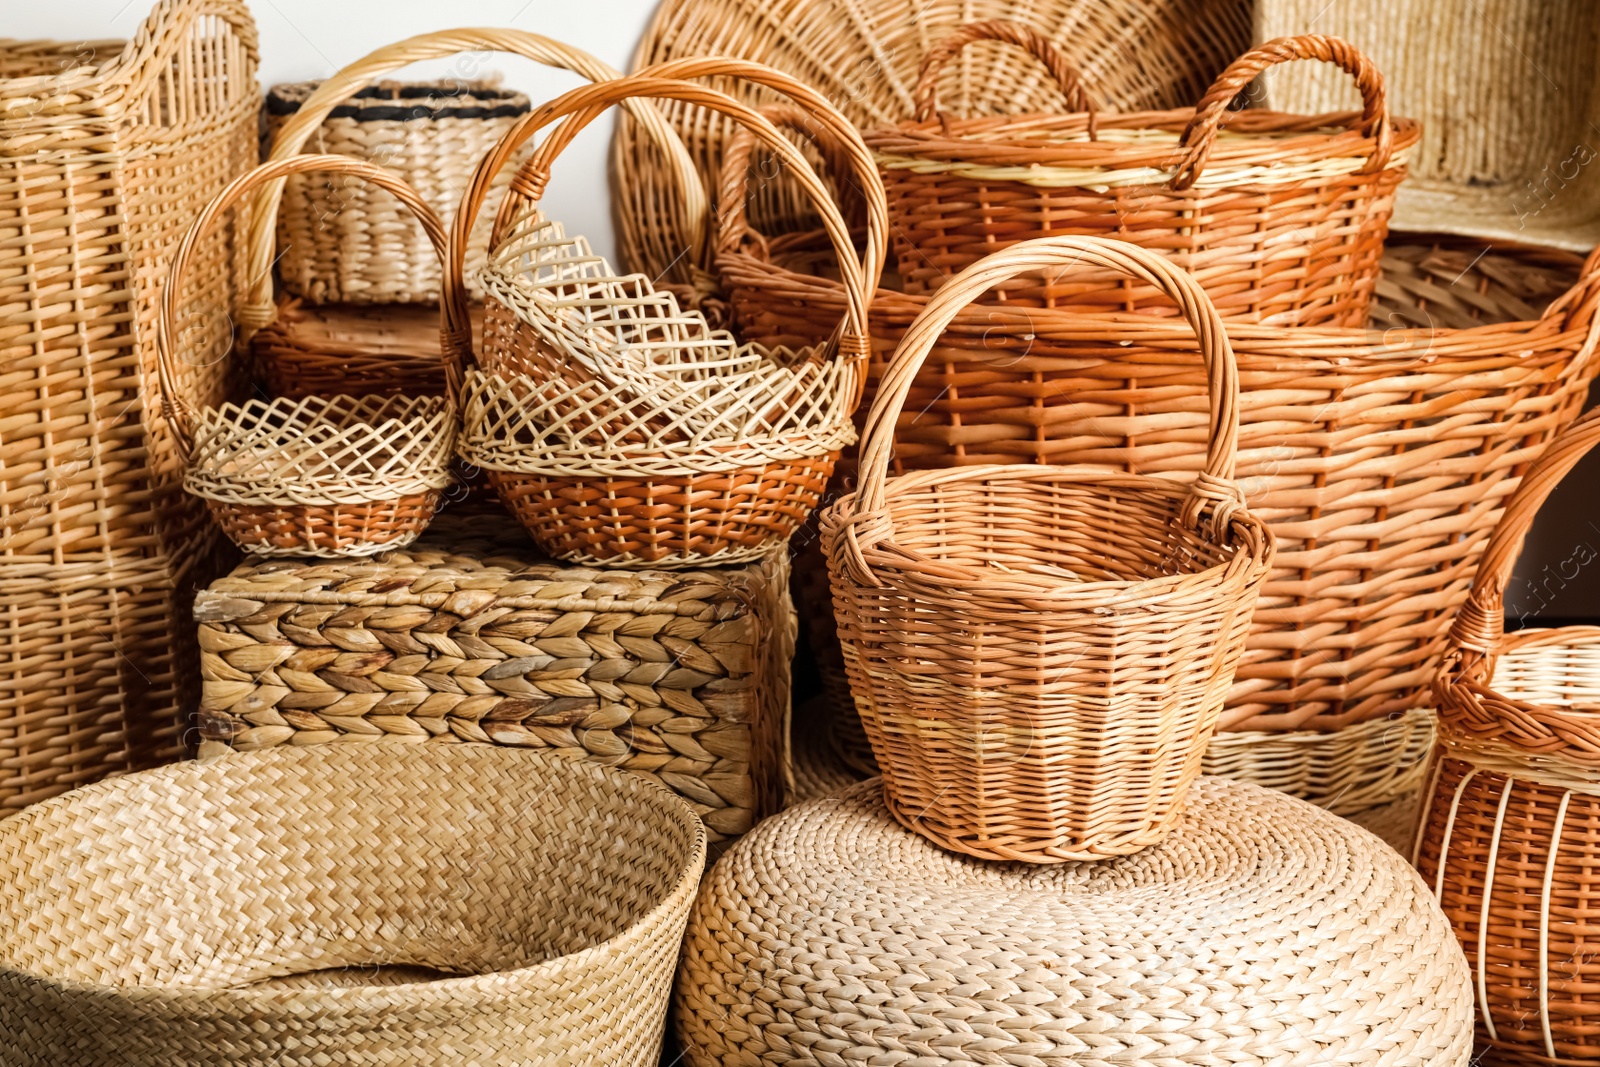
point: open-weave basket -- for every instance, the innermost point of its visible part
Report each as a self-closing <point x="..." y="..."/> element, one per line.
<point x="1040" y="653"/>
<point x="321" y="475"/>
<point x="367" y="903"/>
<point x="619" y="426"/>
<point x="1509" y="839"/>
<point x="1282" y="219"/>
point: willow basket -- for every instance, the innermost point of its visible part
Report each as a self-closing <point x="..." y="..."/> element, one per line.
<point x="335" y="476"/>
<point x="1508" y="839"/>
<point x="618" y="426"/>
<point x="1040" y="653"/>
<point x="533" y="906"/>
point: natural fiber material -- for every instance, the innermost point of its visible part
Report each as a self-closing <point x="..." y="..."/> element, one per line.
<point x="392" y="350"/>
<point x="1282" y="220"/>
<point x="1504" y="96"/>
<point x="549" y="895"/>
<point x="471" y="635"/>
<point x="617" y="425"/>
<point x="1508" y="839"/>
<point x="1263" y="933"/>
<point x="321" y="476"/>
<point x="107" y="150"/>
<point x="863" y="55"/>
<point x="1039" y="654"/>
<point x="1395" y="821"/>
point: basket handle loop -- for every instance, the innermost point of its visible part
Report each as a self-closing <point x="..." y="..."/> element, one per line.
<point x="1212" y="111"/>
<point x="177" y="410"/>
<point x="1214" y="489"/>
<point x="259" y="309"/>
<point x="1025" y="37"/>
<point x="174" y="25"/>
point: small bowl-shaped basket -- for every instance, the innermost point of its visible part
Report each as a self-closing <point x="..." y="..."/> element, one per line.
<point x="314" y="476"/>
<point x="1040" y="653"/>
<point x="1281" y="218"/>
<point x="369" y="903"/>
<point x="618" y="426"/>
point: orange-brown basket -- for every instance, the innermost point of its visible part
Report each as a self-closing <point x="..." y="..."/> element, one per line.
<point x="320" y="475"/>
<point x="614" y="423"/>
<point x="1281" y="219"/>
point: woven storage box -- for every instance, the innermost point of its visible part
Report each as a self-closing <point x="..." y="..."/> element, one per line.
<point x="107" y="151"/>
<point x="470" y="635"/>
<point x="512" y="908"/>
<point x="1263" y="933"/>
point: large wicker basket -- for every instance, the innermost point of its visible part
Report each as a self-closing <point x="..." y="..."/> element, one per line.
<point x="107" y="150"/>
<point x="1040" y="653"/>
<point x="1509" y="837"/>
<point x="369" y="903"/>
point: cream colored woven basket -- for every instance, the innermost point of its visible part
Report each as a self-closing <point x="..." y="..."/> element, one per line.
<point x="372" y="903"/>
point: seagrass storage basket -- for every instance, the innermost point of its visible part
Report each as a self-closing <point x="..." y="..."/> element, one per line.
<point x="617" y="425"/>
<point x="1282" y="221"/>
<point x="107" y="150"/>
<point x="370" y="903"/>
<point x="318" y="476"/>
<point x="1508" y="839"/>
<point x="1040" y="653"/>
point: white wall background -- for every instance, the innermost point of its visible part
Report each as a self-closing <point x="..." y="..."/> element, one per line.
<point x="302" y="39"/>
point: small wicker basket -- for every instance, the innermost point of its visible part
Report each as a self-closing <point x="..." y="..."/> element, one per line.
<point x="1040" y="653"/>
<point x="1282" y="219"/>
<point x="317" y="476"/>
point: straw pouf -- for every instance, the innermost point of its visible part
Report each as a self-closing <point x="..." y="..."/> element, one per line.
<point x="1264" y="931"/>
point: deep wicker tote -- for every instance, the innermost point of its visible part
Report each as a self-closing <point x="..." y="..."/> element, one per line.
<point x="615" y="424"/>
<point x="1282" y="220"/>
<point x="1040" y="653"/>
<point x="319" y="476"/>
<point x="367" y="903"/>
<point x="1509" y="838"/>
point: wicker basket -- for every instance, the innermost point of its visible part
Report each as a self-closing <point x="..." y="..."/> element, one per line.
<point x="532" y="906"/>
<point x="620" y="428"/>
<point x="319" y="476"/>
<point x="1508" y="839"/>
<point x="1039" y="654"/>
<point x="107" y="150"/>
<point x="863" y="55"/>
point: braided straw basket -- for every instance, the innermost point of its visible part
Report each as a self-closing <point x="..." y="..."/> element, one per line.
<point x="1039" y="654"/>
<point x="319" y="476"/>
<point x="1509" y="836"/>
<point x="618" y="426"/>
<point x="1282" y="220"/>
<point x="371" y="903"/>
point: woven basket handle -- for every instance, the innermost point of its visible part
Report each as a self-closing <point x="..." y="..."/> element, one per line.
<point x="1212" y="111"/>
<point x="171" y="26"/>
<point x="178" y="411"/>
<point x="1213" y="488"/>
<point x="259" y="309"/>
<point x="733" y="186"/>
<point x="1027" y="38"/>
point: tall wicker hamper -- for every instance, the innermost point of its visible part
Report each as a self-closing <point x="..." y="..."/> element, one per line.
<point x="107" y="151"/>
<point x="470" y="635"/>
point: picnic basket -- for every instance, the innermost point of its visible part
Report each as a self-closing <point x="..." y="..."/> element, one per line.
<point x="1039" y="653"/>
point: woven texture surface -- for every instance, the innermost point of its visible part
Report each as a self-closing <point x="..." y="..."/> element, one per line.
<point x="1262" y="932"/>
<point x="552" y="893"/>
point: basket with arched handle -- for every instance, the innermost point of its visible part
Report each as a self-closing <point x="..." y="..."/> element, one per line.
<point x="1040" y="653"/>
<point x="1282" y="221"/>
<point x="313" y="476"/>
<point x="615" y="423"/>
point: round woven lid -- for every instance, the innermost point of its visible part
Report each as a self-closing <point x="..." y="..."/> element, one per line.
<point x="1263" y="931"/>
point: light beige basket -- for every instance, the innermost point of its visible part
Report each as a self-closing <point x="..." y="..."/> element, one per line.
<point x="509" y="906"/>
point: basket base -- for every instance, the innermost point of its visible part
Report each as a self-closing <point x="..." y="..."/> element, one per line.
<point x="293" y="530"/>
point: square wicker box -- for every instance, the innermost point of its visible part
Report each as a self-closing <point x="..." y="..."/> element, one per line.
<point x="471" y="635"/>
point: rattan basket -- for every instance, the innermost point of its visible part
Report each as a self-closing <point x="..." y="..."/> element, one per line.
<point x="1040" y="653"/>
<point x="318" y="476"/>
<point x="1508" y="839"/>
<point x="617" y="425"/>
<point x="369" y="903"/>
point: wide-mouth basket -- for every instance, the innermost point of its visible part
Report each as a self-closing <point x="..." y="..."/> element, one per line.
<point x="1281" y="218"/>
<point x="373" y="902"/>
<point x="1040" y="653"/>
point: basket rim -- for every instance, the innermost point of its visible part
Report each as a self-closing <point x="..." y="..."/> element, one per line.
<point x="398" y="101"/>
<point x="1465" y="684"/>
